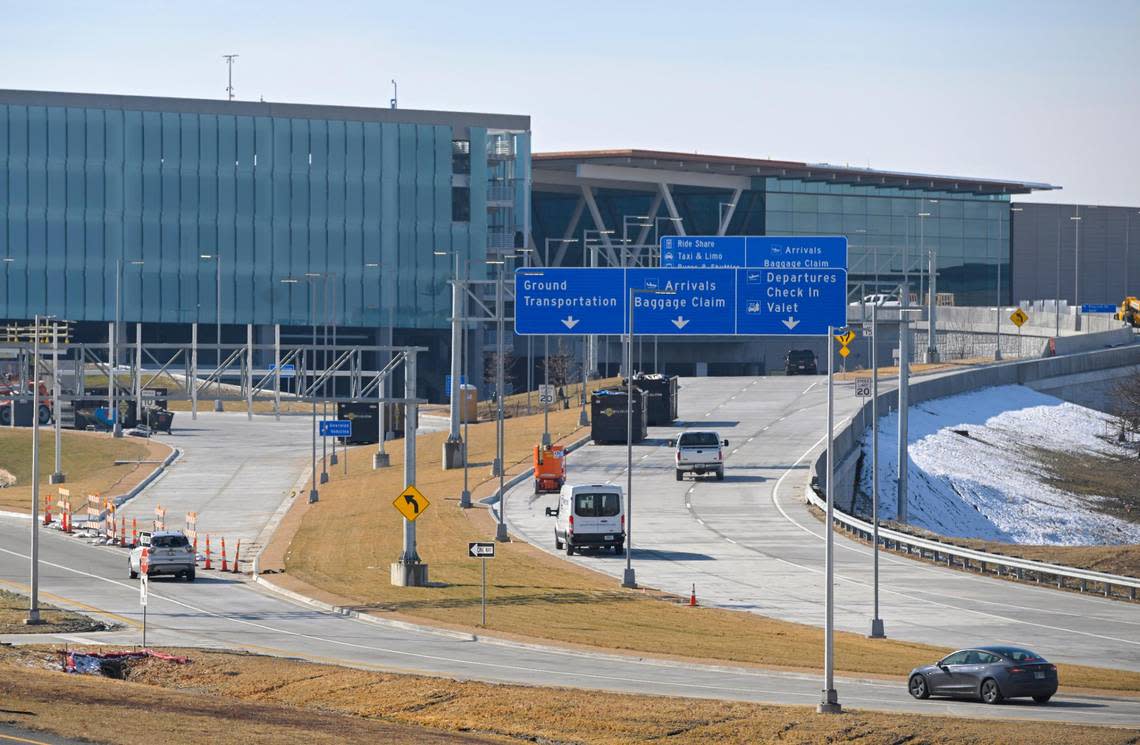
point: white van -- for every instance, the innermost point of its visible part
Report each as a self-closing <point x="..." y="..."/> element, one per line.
<point x="589" y="516"/>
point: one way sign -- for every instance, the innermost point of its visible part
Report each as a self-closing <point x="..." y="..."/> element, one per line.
<point x="481" y="550"/>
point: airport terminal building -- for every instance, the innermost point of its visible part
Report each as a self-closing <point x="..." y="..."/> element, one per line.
<point x="169" y="212"/>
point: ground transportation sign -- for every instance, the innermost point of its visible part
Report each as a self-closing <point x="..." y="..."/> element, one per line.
<point x="1098" y="308"/>
<point x="755" y="251"/>
<point x="336" y="428"/>
<point x="680" y="301"/>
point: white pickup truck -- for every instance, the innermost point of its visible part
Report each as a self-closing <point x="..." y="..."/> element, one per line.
<point x="699" y="453"/>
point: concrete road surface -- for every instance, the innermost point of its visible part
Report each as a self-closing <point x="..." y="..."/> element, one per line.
<point x="749" y="543"/>
<point x="219" y="611"/>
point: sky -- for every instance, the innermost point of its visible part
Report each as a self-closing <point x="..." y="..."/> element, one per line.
<point x="1029" y="90"/>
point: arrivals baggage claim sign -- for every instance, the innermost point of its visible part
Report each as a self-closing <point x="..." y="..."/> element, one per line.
<point x="799" y="287"/>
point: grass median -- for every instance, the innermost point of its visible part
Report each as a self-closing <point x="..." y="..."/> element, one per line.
<point x="14" y="611"/>
<point x="88" y="462"/>
<point x="228" y="697"/>
<point x="340" y="549"/>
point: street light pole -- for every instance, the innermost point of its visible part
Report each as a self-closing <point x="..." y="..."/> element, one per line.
<point x="218" y="327"/>
<point x="501" y="527"/>
<point x="877" y="631"/>
<point x="116" y="423"/>
<point x="454" y="447"/>
<point x="57" y="476"/>
<point x="34" y="600"/>
<point x="829" y="699"/>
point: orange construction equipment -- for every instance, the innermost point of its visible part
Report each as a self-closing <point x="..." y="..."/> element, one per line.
<point x="549" y="468"/>
<point x="207" y="565"/>
<point x="225" y="567"/>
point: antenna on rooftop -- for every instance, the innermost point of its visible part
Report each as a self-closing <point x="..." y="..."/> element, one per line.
<point x="392" y="101"/>
<point x="230" y="75"/>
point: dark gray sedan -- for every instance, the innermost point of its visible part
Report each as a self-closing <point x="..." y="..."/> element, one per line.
<point x="988" y="673"/>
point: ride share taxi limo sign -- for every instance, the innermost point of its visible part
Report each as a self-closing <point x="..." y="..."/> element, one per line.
<point x="675" y="301"/>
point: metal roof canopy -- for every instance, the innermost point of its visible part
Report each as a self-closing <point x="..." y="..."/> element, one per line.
<point x="562" y="168"/>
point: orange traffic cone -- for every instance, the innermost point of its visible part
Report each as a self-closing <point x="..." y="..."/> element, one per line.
<point x="225" y="567"/>
<point x="237" y="552"/>
<point x="47" y="510"/>
<point x="65" y="517"/>
<point x="134" y="532"/>
<point x="195" y="548"/>
<point x="123" y="531"/>
<point x="207" y="565"/>
<point x="693" y="597"/>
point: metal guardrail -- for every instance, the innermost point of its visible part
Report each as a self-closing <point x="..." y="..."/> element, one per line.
<point x="1020" y="568"/>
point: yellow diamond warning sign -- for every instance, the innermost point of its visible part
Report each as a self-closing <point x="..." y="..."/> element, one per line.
<point x="411" y="503"/>
<point x="1018" y="317"/>
<point x="844" y="351"/>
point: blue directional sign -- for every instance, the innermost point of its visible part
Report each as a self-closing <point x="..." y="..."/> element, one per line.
<point x="447" y="384"/>
<point x="336" y="427"/>
<point x="763" y="251"/>
<point x="1098" y="308"/>
<point x="670" y="301"/>
<point x="287" y="371"/>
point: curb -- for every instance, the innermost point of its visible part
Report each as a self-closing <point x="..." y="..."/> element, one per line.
<point x="341" y="610"/>
<point x="275" y="520"/>
<point x="119" y="501"/>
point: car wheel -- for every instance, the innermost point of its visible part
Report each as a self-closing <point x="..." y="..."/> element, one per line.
<point x="569" y="548"/>
<point x="990" y="693"/>
<point x="45" y="414"/>
<point x="720" y="474"/>
<point x="680" y="475"/>
<point x="190" y="576"/>
<point x="1043" y="699"/>
<point x="6" y="416"/>
<point x="131" y="571"/>
<point x="557" y="543"/>
<point x="917" y="687"/>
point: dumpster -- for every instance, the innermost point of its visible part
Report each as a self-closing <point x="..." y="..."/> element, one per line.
<point x="661" y="390"/>
<point x="365" y="418"/>
<point x="608" y="414"/>
<point x="468" y="403"/>
<point x="549" y="468"/>
<point x="159" y="419"/>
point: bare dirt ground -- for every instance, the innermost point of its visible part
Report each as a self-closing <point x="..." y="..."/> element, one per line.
<point x="228" y="697"/>
<point x="14" y="610"/>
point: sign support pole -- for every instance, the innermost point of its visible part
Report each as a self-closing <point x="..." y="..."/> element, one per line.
<point x="629" y="578"/>
<point x="409" y="571"/>
<point x="829" y="702"/>
<point x="877" y="631"/>
<point x="277" y="371"/>
<point x="194" y="370"/>
<point x="57" y="476"/>
<point x="484" y="602"/>
<point x="33" y="618"/>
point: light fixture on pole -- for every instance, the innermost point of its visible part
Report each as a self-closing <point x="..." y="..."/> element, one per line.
<point x="629" y="579"/>
<point x="500" y="465"/>
<point x="306" y="367"/>
<point x="454" y="449"/>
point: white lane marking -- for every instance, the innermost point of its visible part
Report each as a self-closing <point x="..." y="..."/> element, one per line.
<point x="729" y="539"/>
<point x="750" y="439"/>
<point x="436" y="658"/>
<point x="780" y="507"/>
<point x="813" y="385"/>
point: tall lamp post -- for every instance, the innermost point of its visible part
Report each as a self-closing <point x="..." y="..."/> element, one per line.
<point x="308" y="365"/>
<point x="33" y="618"/>
<point x="629" y="579"/>
<point x="454" y="448"/>
<point x="500" y="332"/>
<point x="1076" y="219"/>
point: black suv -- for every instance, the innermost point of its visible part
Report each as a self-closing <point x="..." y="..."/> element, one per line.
<point x="800" y="362"/>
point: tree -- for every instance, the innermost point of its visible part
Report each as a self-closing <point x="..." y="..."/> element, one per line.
<point x="1125" y="408"/>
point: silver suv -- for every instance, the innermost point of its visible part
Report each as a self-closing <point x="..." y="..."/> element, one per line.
<point x="170" y="553"/>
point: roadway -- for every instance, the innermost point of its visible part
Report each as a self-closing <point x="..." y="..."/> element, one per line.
<point x="749" y="543"/>
<point x="223" y="611"/>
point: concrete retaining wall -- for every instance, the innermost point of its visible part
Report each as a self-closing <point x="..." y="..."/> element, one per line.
<point x="848" y="438"/>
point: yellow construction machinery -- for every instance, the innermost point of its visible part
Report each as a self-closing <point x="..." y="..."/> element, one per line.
<point x="1129" y="312"/>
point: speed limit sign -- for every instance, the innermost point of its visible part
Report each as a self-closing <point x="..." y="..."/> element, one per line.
<point x="546" y="394"/>
<point x="863" y="387"/>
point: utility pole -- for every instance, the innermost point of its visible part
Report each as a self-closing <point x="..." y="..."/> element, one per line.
<point x="829" y="699"/>
<point x="501" y="528"/>
<point x="230" y="75"/>
<point x="877" y="631"/>
<point x="904" y="373"/>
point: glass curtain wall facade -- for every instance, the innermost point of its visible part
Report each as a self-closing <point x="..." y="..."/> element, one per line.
<point x="889" y="230"/>
<point x="276" y="218"/>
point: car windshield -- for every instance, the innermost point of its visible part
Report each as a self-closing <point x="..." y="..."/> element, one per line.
<point x="168" y="541"/>
<point x="699" y="439"/>
<point x="600" y="504"/>
<point x="801" y="355"/>
<point x="1017" y="654"/>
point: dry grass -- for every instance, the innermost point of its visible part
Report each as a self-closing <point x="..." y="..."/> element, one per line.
<point x="341" y="549"/>
<point x="226" y="697"/>
<point x="88" y="462"/>
<point x="14" y="610"/>
<point x="916" y="368"/>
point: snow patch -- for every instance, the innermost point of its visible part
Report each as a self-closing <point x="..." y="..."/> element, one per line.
<point x="980" y="485"/>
